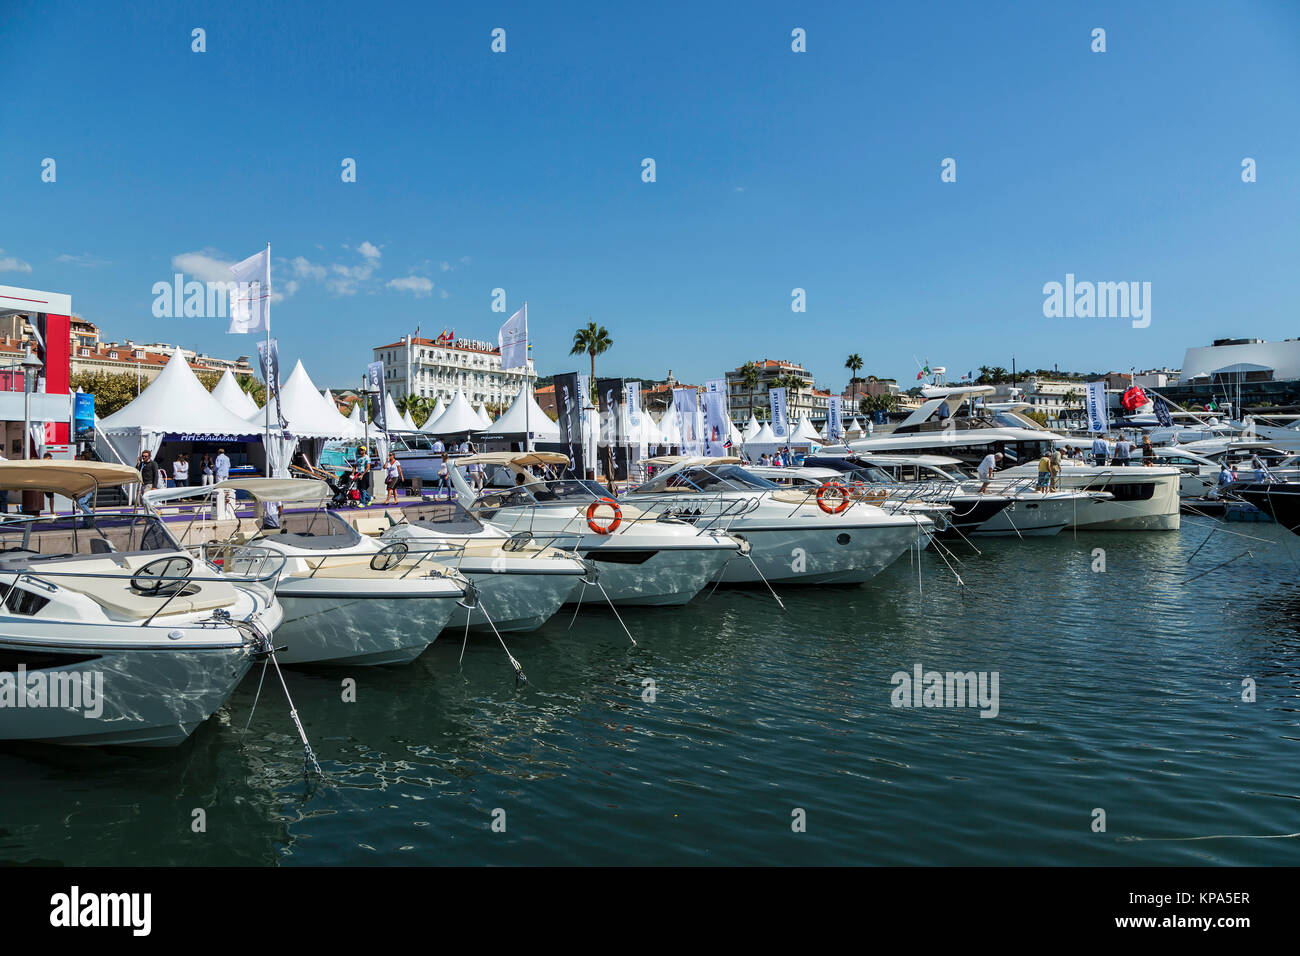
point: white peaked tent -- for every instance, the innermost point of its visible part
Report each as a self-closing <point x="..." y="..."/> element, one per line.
<point x="459" y="417"/>
<point x="232" y="397"/>
<point x="805" y="432"/>
<point x="392" y="417"/>
<point x="670" y="432"/>
<point x="751" y="427"/>
<point x="438" y="409"/>
<point x="408" y="422"/>
<point x="355" y="427"/>
<point x="511" y="421"/>
<point x="308" y="418"/>
<point x="481" y="411"/>
<point x="737" y="439"/>
<point x="175" y="403"/>
<point x="355" y="417"/>
<point x="764" y="436"/>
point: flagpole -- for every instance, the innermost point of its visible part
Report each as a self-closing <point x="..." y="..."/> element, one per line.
<point x="266" y="440"/>
<point x="528" y="399"/>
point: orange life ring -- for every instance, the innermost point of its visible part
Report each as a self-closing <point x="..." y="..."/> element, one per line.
<point x="821" y="497"/>
<point x="859" y="488"/>
<point x="599" y="528"/>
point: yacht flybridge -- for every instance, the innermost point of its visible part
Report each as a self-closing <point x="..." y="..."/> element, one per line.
<point x="110" y="633"/>
<point x="794" y="537"/>
<point x="347" y="598"/>
<point x="638" y="557"/>
<point x="950" y="423"/>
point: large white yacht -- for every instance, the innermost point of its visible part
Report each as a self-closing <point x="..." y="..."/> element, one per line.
<point x="640" y="558"/>
<point x="794" y="537"/>
<point x="348" y="599"/>
<point x="110" y="633"/>
<point x="949" y="424"/>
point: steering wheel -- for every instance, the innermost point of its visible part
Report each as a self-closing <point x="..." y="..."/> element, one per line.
<point x="151" y="580"/>
<point x="389" y="556"/>
<point x="517" y="541"/>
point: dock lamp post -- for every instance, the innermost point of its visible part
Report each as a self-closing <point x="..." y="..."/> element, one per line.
<point x="31" y="367"/>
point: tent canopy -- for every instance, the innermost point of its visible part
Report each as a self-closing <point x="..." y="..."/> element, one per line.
<point x="306" y="413"/>
<point x="176" y="402"/>
<point x="538" y="422"/>
<point x="459" y="417"/>
<point x="232" y="397"/>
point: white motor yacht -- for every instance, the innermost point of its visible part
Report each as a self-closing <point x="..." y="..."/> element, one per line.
<point x="348" y="599"/>
<point x="520" y="582"/>
<point x="639" y="558"/>
<point x="1141" y="498"/>
<point x="794" y="537"/>
<point x="110" y="633"/>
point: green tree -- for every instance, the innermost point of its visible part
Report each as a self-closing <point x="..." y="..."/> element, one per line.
<point x="750" y="377"/>
<point x="854" y="364"/>
<point x="593" y="340"/>
<point x="113" y="391"/>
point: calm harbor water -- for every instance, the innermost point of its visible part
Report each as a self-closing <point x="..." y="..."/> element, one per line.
<point x="1119" y="690"/>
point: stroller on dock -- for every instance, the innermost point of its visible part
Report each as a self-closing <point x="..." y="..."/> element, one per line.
<point x="346" y="485"/>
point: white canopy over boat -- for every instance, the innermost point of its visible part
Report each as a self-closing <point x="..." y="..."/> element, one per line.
<point x="175" y="403"/>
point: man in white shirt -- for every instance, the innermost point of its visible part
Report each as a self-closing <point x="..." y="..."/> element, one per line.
<point x="222" y="465"/>
<point x="438" y="447"/>
<point x="986" y="469"/>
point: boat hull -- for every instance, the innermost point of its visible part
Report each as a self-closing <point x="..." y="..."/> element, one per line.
<point x="520" y="596"/>
<point x="824" y="554"/>
<point x="330" y="625"/>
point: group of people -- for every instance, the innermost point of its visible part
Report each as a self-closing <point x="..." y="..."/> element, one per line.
<point x="1228" y="471"/>
<point x="209" y="470"/>
<point x="781" y="458"/>
<point x="1123" y="452"/>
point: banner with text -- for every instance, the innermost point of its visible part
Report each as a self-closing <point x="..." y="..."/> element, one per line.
<point x="780" y="424"/>
<point x="1098" y="415"/>
<point x="569" y="400"/>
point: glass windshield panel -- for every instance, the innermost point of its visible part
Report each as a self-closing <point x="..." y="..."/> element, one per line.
<point x="66" y="536"/>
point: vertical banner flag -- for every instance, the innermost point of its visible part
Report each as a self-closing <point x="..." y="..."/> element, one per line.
<point x="568" y="408"/>
<point x="250" y="299"/>
<point x="513" y="340"/>
<point x="780" y="425"/>
<point x="633" y="392"/>
<point x="268" y="354"/>
<point x="686" y="408"/>
<point x="1162" y="412"/>
<point x="609" y="395"/>
<point x="375" y="383"/>
<point x="834" y="420"/>
<point x="717" y="428"/>
<point x="1098" y="416"/>
<point x="609" y="398"/>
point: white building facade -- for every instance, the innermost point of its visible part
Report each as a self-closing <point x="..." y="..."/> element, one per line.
<point x="438" y="368"/>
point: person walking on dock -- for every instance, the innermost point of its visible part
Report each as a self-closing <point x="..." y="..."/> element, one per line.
<point x="393" y="474"/>
<point x="221" y="467"/>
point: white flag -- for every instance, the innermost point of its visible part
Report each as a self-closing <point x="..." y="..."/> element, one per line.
<point x="780" y="425"/>
<point x="250" y="301"/>
<point x="513" y="340"/>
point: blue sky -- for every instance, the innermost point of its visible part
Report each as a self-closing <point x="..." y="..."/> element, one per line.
<point x="775" y="170"/>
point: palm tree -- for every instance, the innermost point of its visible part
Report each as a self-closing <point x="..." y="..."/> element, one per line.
<point x="997" y="374"/>
<point x="750" y="377"/>
<point x="854" y="365"/>
<point x="594" y="340"/>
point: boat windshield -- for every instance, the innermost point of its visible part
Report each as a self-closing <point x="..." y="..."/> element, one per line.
<point x="719" y="478"/>
<point x="568" y="491"/>
<point x="66" y="536"/>
<point x="445" y="517"/>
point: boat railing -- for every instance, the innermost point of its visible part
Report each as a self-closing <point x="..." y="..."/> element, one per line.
<point x="143" y="581"/>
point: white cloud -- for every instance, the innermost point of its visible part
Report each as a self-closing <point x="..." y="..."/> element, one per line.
<point x="12" y="264"/>
<point x="85" y="259"/>
<point x="368" y="250"/>
<point x="206" y="266"/>
<point x="419" y="286"/>
<point x="445" y="266"/>
<point x="305" y="269"/>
